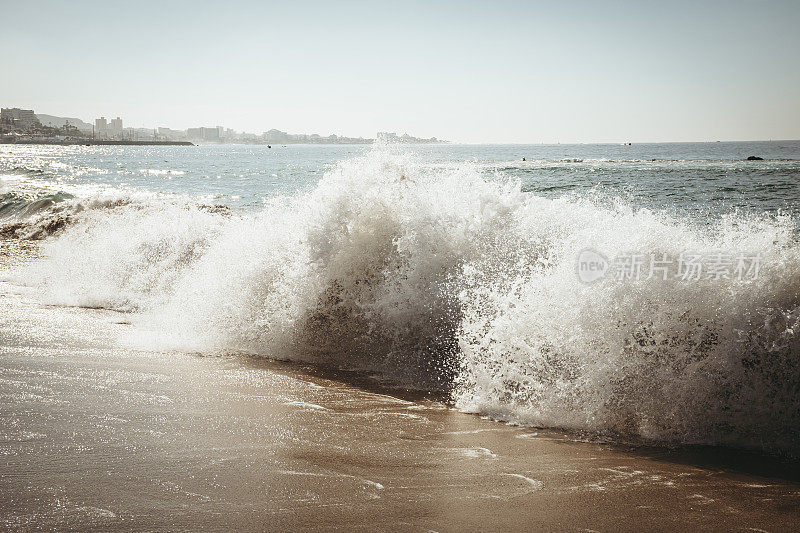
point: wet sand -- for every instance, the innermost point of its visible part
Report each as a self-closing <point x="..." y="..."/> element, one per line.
<point x="94" y="436"/>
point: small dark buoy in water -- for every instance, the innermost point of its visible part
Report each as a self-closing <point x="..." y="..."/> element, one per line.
<point x="269" y="146"/>
<point x="755" y="158"/>
<point x="523" y="159"/>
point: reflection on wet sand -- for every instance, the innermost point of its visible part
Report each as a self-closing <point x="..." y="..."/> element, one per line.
<point x="118" y="439"/>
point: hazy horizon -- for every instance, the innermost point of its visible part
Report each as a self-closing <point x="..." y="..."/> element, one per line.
<point x="509" y="72"/>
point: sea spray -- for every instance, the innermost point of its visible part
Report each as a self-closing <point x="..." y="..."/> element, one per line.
<point x="683" y="361"/>
<point x="451" y="279"/>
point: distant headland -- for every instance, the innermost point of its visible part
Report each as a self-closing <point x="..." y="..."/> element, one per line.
<point x="24" y="126"/>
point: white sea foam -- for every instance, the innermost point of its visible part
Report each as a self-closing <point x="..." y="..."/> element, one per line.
<point x="443" y="278"/>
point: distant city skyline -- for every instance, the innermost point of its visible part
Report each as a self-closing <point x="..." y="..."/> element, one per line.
<point x="507" y="71"/>
<point x="26" y="125"/>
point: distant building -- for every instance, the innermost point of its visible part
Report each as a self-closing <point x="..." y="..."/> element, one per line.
<point x="276" y="136"/>
<point x="115" y="128"/>
<point x="104" y="129"/>
<point x="168" y="134"/>
<point x="101" y="128"/>
<point x="204" y="134"/>
<point x="24" y="119"/>
<point x="390" y="136"/>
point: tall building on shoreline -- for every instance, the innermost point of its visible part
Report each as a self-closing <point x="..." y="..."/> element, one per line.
<point x="16" y="118"/>
<point x="103" y="129"/>
<point x="205" y="134"/>
<point x="100" y="128"/>
<point x="115" y="128"/>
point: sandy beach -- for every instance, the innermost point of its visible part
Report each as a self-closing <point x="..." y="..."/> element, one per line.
<point x="94" y="435"/>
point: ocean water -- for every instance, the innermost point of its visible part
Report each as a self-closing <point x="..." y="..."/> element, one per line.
<point x="647" y="292"/>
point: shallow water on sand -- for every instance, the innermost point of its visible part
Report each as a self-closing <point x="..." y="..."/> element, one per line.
<point x="93" y="435"/>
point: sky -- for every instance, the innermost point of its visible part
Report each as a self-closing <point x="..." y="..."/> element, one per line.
<point x="473" y="72"/>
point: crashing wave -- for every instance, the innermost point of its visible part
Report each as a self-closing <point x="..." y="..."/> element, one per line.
<point x="446" y="279"/>
<point x="45" y="215"/>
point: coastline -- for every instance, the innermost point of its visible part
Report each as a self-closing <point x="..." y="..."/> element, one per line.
<point x="93" y="142"/>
